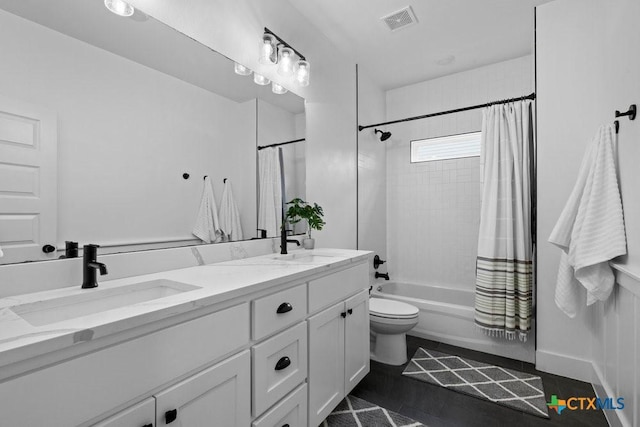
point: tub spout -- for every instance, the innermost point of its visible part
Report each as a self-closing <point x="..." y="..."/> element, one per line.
<point x="385" y="275"/>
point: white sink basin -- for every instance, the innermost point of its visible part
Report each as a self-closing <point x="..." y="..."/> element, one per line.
<point x="92" y="301"/>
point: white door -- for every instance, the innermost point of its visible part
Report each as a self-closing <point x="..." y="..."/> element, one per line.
<point x="356" y="340"/>
<point x="141" y="415"/>
<point x="217" y="396"/>
<point x="28" y="181"/>
<point x="326" y="362"/>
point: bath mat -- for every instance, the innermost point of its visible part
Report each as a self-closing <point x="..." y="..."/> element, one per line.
<point x="513" y="389"/>
<point x="354" y="412"/>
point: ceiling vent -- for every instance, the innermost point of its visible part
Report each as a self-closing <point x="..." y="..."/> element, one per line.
<point x="402" y="18"/>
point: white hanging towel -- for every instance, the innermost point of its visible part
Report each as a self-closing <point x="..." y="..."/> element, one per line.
<point x="229" y="215"/>
<point x="270" y="195"/>
<point x="590" y="230"/>
<point x="1" y="253"/>
<point x="207" y="227"/>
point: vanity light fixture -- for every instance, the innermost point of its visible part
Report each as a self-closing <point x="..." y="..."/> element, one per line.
<point x="290" y="62"/>
<point x="278" y="89"/>
<point x="241" y="69"/>
<point x="119" y="7"/>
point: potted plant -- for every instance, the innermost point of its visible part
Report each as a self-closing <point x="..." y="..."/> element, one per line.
<point x="299" y="210"/>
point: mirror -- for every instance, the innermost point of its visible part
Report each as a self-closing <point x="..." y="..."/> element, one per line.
<point x="109" y="124"/>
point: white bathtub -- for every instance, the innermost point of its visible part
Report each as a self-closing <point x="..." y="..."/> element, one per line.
<point x="446" y="315"/>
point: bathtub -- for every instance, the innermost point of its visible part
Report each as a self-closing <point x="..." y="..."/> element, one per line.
<point x="446" y="315"/>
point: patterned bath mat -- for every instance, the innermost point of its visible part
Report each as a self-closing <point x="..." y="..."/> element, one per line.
<point x="517" y="390"/>
<point x="354" y="412"/>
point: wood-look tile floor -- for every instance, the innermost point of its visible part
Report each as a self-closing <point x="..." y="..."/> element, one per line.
<point x="437" y="406"/>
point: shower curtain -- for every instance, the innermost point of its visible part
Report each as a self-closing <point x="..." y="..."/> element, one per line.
<point x="270" y="196"/>
<point x="504" y="268"/>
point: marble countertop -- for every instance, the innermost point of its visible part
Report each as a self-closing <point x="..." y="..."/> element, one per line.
<point x="213" y="284"/>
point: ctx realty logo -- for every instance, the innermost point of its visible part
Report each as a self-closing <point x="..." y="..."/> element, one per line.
<point x="585" y="403"/>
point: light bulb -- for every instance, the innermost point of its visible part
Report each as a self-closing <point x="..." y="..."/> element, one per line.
<point x="302" y="70"/>
<point x="119" y="7"/>
<point x="278" y="89"/>
<point x="285" y="61"/>
<point x="241" y="69"/>
<point x="268" y="50"/>
<point x="260" y="79"/>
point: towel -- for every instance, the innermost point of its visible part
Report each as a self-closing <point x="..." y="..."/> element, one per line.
<point x="1" y="253"/>
<point x="590" y="230"/>
<point x="229" y="215"/>
<point x="207" y="227"/>
<point x="270" y="192"/>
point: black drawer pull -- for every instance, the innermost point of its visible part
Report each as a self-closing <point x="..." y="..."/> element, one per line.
<point x="350" y="311"/>
<point x="285" y="425"/>
<point x="285" y="307"/>
<point x="148" y="425"/>
<point x="283" y="363"/>
<point x="170" y="416"/>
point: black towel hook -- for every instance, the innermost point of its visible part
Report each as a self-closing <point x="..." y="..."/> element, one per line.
<point x="205" y="177"/>
<point x="631" y="112"/>
<point x="224" y="181"/>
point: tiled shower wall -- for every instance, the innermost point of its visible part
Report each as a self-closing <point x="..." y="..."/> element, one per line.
<point x="433" y="208"/>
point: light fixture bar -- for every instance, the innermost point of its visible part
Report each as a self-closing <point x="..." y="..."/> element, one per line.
<point x="268" y="31"/>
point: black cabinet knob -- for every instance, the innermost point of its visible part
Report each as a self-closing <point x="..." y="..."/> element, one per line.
<point x="170" y="416"/>
<point x="285" y="307"/>
<point x="343" y="314"/>
<point x="285" y="425"/>
<point x="283" y="363"/>
<point x="350" y="311"/>
<point x="47" y="249"/>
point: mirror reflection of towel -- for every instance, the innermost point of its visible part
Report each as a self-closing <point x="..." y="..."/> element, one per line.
<point x="229" y="215"/>
<point x="207" y="227"/>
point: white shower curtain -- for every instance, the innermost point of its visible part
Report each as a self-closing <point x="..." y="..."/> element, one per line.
<point x="504" y="270"/>
<point x="270" y="197"/>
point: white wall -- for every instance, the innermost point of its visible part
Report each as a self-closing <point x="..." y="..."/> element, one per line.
<point x="233" y="28"/>
<point x="587" y="62"/>
<point x="126" y="135"/>
<point x="372" y="176"/>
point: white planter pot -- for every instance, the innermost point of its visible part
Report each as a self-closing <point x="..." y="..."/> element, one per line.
<point x="308" y="243"/>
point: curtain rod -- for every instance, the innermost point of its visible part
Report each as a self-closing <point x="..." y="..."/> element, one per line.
<point x="280" y="143"/>
<point x="457" y="110"/>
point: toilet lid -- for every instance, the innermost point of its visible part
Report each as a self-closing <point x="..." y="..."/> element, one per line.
<point x="381" y="307"/>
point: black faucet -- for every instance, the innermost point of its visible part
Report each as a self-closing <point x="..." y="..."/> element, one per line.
<point x="90" y="265"/>
<point x="383" y="275"/>
<point x="296" y="241"/>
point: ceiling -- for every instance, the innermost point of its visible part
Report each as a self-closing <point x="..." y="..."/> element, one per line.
<point x="156" y="45"/>
<point x="451" y="35"/>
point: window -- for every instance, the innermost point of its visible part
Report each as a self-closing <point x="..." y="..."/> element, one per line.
<point x="446" y="147"/>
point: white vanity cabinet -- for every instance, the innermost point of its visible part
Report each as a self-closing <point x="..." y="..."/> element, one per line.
<point x="283" y="354"/>
<point x="219" y="393"/>
<point x="338" y="342"/>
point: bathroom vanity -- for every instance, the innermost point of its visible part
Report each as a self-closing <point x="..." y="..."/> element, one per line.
<point x="265" y="341"/>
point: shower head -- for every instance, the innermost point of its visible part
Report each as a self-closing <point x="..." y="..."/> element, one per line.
<point x="384" y="135"/>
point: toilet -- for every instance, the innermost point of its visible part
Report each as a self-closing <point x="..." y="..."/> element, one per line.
<point x="390" y="321"/>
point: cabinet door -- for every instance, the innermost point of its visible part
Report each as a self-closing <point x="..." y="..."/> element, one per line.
<point x="326" y="362"/>
<point x="219" y="396"/>
<point x="356" y="340"/>
<point x="141" y="415"/>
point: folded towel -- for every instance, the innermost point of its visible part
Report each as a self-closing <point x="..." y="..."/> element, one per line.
<point x="590" y="230"/>
<point x="229" y="215"/>
<point x="207" y="227"/>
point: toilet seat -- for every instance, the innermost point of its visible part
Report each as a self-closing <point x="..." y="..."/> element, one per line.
<point x="390" y="309"/>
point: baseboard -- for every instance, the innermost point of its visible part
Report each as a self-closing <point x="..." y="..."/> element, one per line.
<point x="603" y="390"/>
<point x="559" y="364"/>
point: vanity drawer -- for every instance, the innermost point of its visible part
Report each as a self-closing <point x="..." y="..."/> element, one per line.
<point x="337" y="286"/>
<point x="291" y="411"/>
<point x="279" y="365"/>
<point x="277" y="311"/>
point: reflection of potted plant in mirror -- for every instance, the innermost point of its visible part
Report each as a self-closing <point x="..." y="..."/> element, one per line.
<point x="299" y="210"/>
